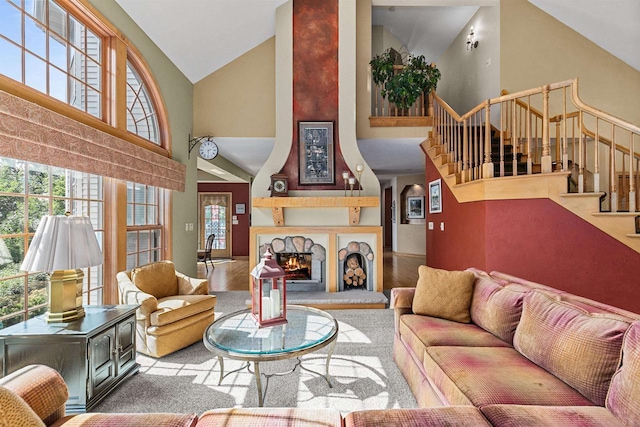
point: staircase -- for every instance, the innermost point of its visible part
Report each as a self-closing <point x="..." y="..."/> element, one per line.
<point x="477" y="161"/>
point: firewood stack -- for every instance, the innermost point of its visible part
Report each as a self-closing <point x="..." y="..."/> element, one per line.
<point x="354" y="277"/>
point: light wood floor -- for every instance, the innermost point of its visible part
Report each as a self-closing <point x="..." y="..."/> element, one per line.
<point x="400" y="270"/>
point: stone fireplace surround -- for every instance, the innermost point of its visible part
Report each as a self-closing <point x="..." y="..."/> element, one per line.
<point x="332" y="239"/>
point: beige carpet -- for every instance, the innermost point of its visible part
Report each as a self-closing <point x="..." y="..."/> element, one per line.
<point x="363" y="373"/>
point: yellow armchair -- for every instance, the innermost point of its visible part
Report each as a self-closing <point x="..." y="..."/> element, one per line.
<point x="174" y="309"/>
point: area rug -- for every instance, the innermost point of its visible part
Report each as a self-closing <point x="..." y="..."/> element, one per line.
<point x="362" y="371"/>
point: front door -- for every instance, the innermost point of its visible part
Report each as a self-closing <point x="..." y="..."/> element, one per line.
<point x="215" y="217"/>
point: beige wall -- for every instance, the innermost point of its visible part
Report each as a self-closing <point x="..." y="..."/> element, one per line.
<point x="177" y="92"/>
<point x="382" y="39"/>
<point x="407" y="238"/>
<point x="537" y="49"/>
<point x="238" y="100"/>
<point x="467" y="80"/>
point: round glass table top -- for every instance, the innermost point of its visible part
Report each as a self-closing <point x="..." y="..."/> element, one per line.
<point x="238" y="333"/>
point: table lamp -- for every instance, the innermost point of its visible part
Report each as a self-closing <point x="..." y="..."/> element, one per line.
<point x="62" y="246"/>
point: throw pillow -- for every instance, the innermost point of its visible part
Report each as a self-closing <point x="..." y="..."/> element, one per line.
<point x="444" y="294"/>
<point x="14" y="412"/>
<point x="157" y="279"/>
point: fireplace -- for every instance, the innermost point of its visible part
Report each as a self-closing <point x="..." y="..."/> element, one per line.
<point x="296" y="265"/>
<point x="355" y="264"/>
<point x="303" y="261"/>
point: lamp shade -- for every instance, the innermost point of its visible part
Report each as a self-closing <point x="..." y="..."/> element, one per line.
<point x="62" y="243"/>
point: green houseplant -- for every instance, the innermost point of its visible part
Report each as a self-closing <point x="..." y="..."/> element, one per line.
<point x="403" y="81"/>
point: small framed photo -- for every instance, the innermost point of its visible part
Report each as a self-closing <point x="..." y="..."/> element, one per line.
<point x="240" y="208"/>
<point x="316" y="153"/>
<point x="415" y="207"/>
<point x="435" y="196"/>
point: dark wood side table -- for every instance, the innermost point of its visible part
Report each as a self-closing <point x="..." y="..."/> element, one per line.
<point x="93" y="354"/>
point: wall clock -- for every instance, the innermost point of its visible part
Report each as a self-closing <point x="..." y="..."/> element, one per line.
<point x="208" y="149"/>
<point x="279" y="185"/>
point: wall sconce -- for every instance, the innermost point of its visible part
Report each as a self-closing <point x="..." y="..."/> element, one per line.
<point x="472" y="43"/>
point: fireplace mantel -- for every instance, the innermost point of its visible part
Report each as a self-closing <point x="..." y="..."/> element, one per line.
<point x="277" y="205"/>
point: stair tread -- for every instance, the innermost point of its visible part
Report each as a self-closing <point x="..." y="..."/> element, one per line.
<point x="600" y="194"/>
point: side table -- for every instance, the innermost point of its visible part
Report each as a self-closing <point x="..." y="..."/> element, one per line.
<point x="93" y="354"/>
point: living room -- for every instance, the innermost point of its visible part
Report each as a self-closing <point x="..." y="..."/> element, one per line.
<point x="467" y="242"/>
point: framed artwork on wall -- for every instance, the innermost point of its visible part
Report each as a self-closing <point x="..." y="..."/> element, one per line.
<point x="316" y="153"/>
<point x="415" y="207"/>
<point x="435" y="196"/>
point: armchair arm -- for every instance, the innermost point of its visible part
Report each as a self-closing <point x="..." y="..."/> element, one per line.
<point x="401" y="302"/>
<point x="191" y="286"/>
<point x="130" y="294"/>
<point x="42" y="388"/>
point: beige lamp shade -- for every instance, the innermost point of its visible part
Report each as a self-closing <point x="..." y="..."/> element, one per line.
<point x="63" y="245"/>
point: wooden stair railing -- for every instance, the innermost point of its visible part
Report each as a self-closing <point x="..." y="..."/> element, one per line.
<point x="523" y="143"/>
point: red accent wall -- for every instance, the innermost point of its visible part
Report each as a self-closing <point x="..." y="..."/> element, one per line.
<point x="535" y="239"/>
<point x="315" y="80"/>
<point x="239" y="194"/>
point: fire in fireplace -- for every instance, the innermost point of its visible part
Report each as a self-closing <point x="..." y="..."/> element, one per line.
<point x="297" y="266"/>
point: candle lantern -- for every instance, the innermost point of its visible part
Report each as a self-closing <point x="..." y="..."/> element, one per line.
<point x="268" y="292"/>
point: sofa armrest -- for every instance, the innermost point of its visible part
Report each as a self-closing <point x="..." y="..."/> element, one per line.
<point x="401" y="302"/>
<point x="191" y="286"/>
<point x="130" y="294"/>
<point x="42" y="388"/>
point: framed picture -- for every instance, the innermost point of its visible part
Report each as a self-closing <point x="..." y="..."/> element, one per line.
<point x="316" y="153"/>
<point x="435" y="196"/>
<point x="415" y="207"/>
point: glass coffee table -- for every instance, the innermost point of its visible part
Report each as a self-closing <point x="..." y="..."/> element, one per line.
<point x="237" y="336"/>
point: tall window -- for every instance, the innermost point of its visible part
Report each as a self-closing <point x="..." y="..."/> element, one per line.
<point x="48" y="49"/>
<point x="141" y="117"/>
<point x="144" y="225"/>
<point x="29" y="191"/>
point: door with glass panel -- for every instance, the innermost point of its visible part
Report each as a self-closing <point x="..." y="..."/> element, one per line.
<point x="215" y="218"/>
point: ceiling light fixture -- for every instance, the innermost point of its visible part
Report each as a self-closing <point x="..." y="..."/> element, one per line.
<point x="472" y="43"/>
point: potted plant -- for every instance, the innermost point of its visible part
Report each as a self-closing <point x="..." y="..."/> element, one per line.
<point x="402" y="82"/>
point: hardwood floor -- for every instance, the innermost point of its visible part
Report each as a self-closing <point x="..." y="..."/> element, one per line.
<point x="400" y="270"/>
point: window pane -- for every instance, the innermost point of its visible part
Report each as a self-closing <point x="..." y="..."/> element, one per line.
<point x="140" y="217"/>
<point x="37" y="209"/>
<point x="93" y="103"/>
<point x="94" y="47"/>
<point x="11" y="64"/>
<point x="129" y="214"/>
<point x="38" y="179"/>
<point x="11" y="176"/>
<point x="12" y="218"/>
<point x="35" y="37"/>
<point x="140" y="107"/>
<point x="57" y="52"/>
<point x="143" y="240"/>
<point x="11" y="297"/>
<point x="38" y="289"/>
<point x="35" y="73"/>
<point x="58" y="19"/>
<point x="11" y="254"/>
<point x="57" y="84"/>
<point x="76" y="33"/>
<point x="132" y="242"/>
<point x="143" y="258"/>
<point x="35" y="8"/>
<point x="11" y="22"/>
<point x="151" y="215"/>
<point x="93" y="75"/>
<point x="131" y="261"/>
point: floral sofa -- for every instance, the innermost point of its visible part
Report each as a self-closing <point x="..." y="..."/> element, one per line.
<point x="524" y="355"/>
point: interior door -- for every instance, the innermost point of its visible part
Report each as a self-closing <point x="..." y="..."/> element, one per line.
<point x="215" y="217"/>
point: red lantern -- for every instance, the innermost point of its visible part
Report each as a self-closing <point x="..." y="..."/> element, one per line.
<point x="268" y="292"/>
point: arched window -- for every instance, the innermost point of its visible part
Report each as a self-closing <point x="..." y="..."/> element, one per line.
<point x="141" y="113"/>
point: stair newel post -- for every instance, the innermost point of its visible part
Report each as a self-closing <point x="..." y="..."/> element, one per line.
<point x="465" y="151"/>
<point x="546" y="142"/>
<point x="430" y="109"/>
<point x="565" y="154"/>
<point x="487" y="166"/>
<point x="529" y="158"/>
<point x="514" y="138"/>
<point x="614" y="182"/>
<point x="502" y="131"/>
<point x="632" y="176"/>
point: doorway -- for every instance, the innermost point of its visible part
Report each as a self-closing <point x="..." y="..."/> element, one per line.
<point x="215" y="218"/>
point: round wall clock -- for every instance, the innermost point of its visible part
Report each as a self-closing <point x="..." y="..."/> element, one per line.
<point x="208" y="149"/>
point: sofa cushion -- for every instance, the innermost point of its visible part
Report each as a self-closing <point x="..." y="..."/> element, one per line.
<point x="496" y="307"/>
<point x="549" y="416"/>
<point x="417" y="417"/>
<point x="624" y="391"/>
<point x="581" y="349"/>
<point x="290" y="417"/>
<point x="128" y="420"/>
<point x="481" y="376"/>
<point x="178" y="307"/>
<point x="14" y="412"/>
<point x="420" y="332"/>
<point x="444" y="294"/>
<point x="157" y="279"/>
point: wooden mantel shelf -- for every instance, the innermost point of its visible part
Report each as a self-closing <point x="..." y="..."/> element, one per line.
<point x="277" y="205"/>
